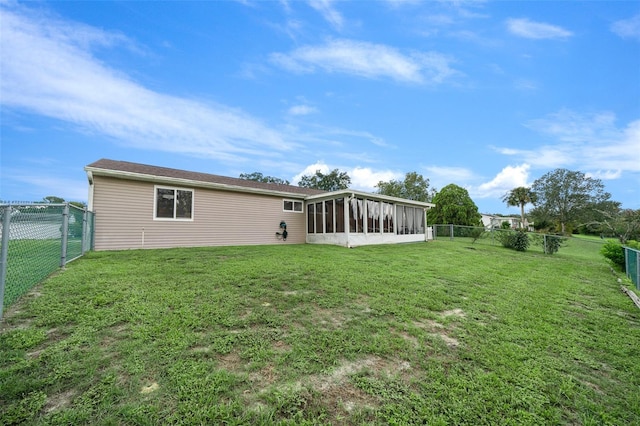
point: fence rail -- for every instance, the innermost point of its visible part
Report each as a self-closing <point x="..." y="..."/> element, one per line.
<point x="491" y="236"/>
<point x="37" y="239"/>
<point x="538" y="242"/>
<point x="632" y="265"/>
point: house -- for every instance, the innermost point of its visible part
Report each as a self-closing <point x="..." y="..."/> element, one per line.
<point x="495" y="221"/>
<point x="143" y="206"/>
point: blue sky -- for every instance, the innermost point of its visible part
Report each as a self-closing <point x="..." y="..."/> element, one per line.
<point x="487" y="95"/>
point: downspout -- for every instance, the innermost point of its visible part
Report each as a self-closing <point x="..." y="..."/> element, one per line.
<point x="90" y="200"/>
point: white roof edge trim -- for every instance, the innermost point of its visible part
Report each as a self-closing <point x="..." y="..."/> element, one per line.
<point x="369" y="195"/>
<point x="189" y="182"/>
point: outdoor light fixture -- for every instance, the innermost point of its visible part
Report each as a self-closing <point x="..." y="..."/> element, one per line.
<point x="284" y="233"/>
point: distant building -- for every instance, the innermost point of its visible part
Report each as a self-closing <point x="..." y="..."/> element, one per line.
<point x="492" y="221"/>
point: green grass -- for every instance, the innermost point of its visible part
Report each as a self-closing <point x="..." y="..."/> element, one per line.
<point x="441" y="333"/>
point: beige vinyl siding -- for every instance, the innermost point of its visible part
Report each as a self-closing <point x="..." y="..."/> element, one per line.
<point x="124" y="218"/>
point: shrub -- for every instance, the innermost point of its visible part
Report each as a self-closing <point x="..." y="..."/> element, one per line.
<point x="613" y="251"/>
<point x="520" y="241"/>
<point x="552" y="243"/>
<point x="505" y="238"/>
<point x="476" y="233"/>
<point x="517" y="240"/>
<point x="633" y="244"/>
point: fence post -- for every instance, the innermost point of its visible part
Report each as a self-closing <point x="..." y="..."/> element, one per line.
<point x="627" y="256"/>
<point x="451" y="231"/>
<point x="65" y="234"/>
<point x="638" y="270"/>
<point x="6" y="225"/>
<point x="84" y="231"/>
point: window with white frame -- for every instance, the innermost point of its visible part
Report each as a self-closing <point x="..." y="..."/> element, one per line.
<point x="173" y="203"/>
<point x="292" y="206"/>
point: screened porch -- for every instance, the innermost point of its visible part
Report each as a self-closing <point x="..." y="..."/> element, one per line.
<point x="351" y="218"/>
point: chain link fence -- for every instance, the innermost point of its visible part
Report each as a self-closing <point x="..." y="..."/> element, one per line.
<point x="538" y="242"/>
<point x="632" y="265"/>
<point x="37" y="239"/>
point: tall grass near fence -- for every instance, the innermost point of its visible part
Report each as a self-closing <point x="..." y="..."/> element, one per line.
<point x="37" y="239"/>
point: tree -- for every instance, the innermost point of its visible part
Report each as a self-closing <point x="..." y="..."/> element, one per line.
<point x="519" y="197"/>
<point x="454" y="206"/>
<point x="566" y="196"/>
<point x="413" y="187"/>
<point x="333" y="181"/>
<point x="52" y="199"/>
<point x="259" y="177"/>
<point x="79" y="204"/>
<point x="625" y="224"/>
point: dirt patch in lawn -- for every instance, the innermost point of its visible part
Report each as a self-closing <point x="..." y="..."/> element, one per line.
<point x="263" y="378"/>
<point x="453" y="313"/>
<point x="280" y="346"/>
<point x="333" y="390"/>
<point x="438" y="330"/>
<point x="230" y="361"/>
<point x="450" y="341"/>
<point x="328" y="318"/>
<point x="152" y="387"/>
<point x="59" y="401"/>
<point x="340" y="395"/>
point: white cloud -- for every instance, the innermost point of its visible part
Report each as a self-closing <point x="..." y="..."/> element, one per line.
<point x="315" y="134"/>
<point x="510" y="177"/>
<point x="591" y="142"/>
<point x="48" y="68"/>
<point x="362" y="178"/>
<point x="543" y="156"/>
<point x="628" y="28"/>
<point x="365" y="179"/>
<point x="399" y="3"/>
<point x="536" y="30"/>
<point x="367" y="60"/>
<point x="311" y="170"/>
<point x="302" y="110"/>
<point x="328" y="12"/>
<point x="605" y="174"/>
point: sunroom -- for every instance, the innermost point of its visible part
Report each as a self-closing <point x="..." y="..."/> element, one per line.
<point x="352" y="218"/>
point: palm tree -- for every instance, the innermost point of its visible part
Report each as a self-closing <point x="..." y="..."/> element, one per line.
<point x="519" y="197"/>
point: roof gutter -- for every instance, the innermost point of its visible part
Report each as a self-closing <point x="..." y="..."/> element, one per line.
<point x="350" y="193"/>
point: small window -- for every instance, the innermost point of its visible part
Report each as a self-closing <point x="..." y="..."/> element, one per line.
<point x="311" y="208"/>
<point x="328" y="216"/>
<point x="292" y="206"/>
<point x="173" y="203"/>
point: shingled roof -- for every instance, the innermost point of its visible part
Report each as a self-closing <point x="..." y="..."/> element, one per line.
<point x="147" y="172"/>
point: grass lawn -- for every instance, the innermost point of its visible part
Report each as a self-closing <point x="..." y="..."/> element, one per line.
<point x="439" y="333"/>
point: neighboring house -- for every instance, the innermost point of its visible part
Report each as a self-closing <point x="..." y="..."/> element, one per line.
<point x="142" y="206"/>
<point x="495" y="221"/>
